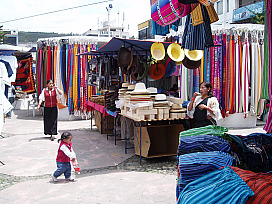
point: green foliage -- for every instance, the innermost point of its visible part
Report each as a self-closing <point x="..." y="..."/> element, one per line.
<point x="2" y="35"/>
<point x="32" y="37"/>
<point x="258" y="18"/>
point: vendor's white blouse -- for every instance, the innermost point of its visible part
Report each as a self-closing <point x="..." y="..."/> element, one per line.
<point x="41" y="97"/>
<point x="212" y="103"/>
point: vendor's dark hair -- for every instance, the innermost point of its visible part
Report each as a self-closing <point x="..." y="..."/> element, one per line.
<point x="49" y="81"/>
<point x="208" y="85"/>
<point x="65" y="135"/>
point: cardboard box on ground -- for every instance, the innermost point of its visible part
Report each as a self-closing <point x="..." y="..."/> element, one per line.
<point x="158" y="141"/>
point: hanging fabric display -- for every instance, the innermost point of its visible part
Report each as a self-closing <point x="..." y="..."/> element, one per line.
<point x="234" y="68"/>
<point x="59" y="60"/>
<point x="268" y="53"/>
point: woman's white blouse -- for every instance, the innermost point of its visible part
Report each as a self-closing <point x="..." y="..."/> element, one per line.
<point x="41" y="97"/>
<point x="212" y="103"/>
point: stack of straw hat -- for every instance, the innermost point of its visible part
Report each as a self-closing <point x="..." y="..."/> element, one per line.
<point x="140" y="94"/>
<point x="130" y="88"/>
<point x="161" y="101"/>
<point x="177" y="111"/>
<point x="123" y="90"/>
<point x="153" y="92"/>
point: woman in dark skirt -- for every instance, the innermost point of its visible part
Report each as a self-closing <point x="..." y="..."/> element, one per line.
<point x="49" y="96"/>
<point x="204" y="107"/>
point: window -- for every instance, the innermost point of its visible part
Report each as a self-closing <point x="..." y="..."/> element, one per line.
<point x="220" y="7"/>
<point x="243" y="3"/>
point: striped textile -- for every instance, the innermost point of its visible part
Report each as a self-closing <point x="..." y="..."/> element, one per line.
<point x="223" y="95"/>
<point x="197" y="37"/>
<point x="190" y="169"/>
<point x="219" y="186"/>
<point x="245" y="76"/>
<point x="216" y="158"/>
<point x="260" y="184"/>
<point x="268" y="125"/>
<point x="196" y="80"/>
<point x="202" y="143"/>
<point x="207" y="130"/>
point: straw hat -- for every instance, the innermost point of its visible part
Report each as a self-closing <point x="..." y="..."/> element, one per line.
<point x="131" y="87"/>
<point x="194" y="55"/>
<point x="157" y="71"/>
<point x="160" y="98"/>
<point x="177" y="108"/>
<point x="157" y="51"/>
<point x="152" y="90"/>
<point x="139" y="89"/>
<point x="175" y="52"/>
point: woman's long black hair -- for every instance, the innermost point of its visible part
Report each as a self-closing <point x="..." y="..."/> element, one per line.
<point x="208" y="85"/>
<point x="65" y="135"/>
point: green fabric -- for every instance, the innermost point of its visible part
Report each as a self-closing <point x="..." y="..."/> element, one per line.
<point x="265" y="90"/>
<point x="206" y="130"/>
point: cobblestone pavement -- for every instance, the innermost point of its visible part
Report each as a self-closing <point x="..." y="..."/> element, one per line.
<point x="164" y="165"/>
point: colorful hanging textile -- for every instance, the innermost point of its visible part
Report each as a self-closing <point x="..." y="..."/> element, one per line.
<point x="268" y="55"/>
<point x="24" y="76"/>
<point x="61" y="63"/>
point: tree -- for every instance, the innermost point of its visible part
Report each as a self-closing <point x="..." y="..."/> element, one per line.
<point x="258" y="18"/>
<point x="2" y="35"/>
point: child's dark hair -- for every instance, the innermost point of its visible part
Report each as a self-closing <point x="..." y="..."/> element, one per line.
<point x="65" y="135"/>
<point x="49" y="80"/>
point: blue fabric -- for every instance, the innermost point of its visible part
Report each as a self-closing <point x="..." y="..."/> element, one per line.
<point x="216" y="158"/>
<point x="185" y="104"/>
<point x="199" y="36"/>
<point x="63" y="168"/>
<point x="202" y="143"/>
<point x="112" y="113"/>
<point x="8" y="67"/>
<point x="219" y="186"/>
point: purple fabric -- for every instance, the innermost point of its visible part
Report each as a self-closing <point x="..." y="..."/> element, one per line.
<point x="268" y="125"/>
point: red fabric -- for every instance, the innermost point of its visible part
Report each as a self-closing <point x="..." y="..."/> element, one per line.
<point x="260" y="184"/>
<point x="61" y="157"/>
<point x="97" y="107"/>
<point x="24" y="76"/>
<point x="50" y="100"/>
<point x="48" y="73"/>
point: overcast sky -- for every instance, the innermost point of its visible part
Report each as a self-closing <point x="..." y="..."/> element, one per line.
<point x="77" y="20"/>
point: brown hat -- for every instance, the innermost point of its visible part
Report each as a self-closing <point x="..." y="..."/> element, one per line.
<point x="137" y="68"/>
<point x="190" y="64"/>
<point x="157" y="71"/>
<point x="125" y="59"/>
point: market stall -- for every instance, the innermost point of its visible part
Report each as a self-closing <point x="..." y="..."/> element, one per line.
<point x="58" y="59"/>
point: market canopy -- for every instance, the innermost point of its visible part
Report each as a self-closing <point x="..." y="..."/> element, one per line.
<point x="139" y="47"/>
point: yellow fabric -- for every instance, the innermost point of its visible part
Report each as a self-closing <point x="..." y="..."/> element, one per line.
<point x="212" y="13"/>
<point x="75" y="78"/>
<point x="197" y="16"/>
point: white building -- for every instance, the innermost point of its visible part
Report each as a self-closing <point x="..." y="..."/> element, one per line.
<point x="236" y="11"/>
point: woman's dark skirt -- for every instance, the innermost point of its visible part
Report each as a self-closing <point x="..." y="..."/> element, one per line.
<point x="50" y="119"/>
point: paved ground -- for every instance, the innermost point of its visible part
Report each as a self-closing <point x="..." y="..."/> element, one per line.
<point x="108" y="175"/>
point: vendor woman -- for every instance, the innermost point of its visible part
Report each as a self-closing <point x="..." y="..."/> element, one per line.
<point x="49" y="96"/>
<point x="204" y="107"/>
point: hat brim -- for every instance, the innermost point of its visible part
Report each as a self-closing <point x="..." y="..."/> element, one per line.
<point x="194" y="55"/>
<point x="157" y="51"/>
<point x="175" y="52"/>
<point x="157" y="71"/>
<point x="190" y="64"/>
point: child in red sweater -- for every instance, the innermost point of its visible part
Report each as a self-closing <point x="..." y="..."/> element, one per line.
<point x="65" y="155"/>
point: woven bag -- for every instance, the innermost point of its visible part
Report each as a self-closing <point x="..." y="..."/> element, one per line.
<point x="165" y="12"/>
